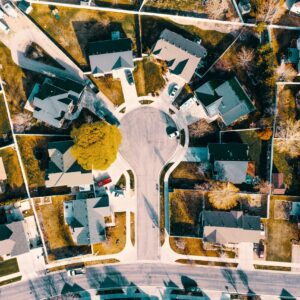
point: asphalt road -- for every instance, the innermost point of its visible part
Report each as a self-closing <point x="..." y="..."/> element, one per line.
<point x="159" y="275"/>
<point x="147" y="147"/>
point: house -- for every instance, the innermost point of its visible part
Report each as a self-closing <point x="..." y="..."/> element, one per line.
<point x="63" y="170"/>
<point x="13" y="240"/>
<point x="278" y="185"/>
<point x="3" y="176"/>
<point x="244" y="7"/>
<point x="56" y="101"/>
<point x="293" y="55"/>
<point x="227" y="228"/>
<point x="88" y="218"/>
<point x="295" y="8"/>
<point x="181" y="55"/>
<point x="231" y="162"/>
<point x="227" y="100"/>
<point x="106" y="57"/>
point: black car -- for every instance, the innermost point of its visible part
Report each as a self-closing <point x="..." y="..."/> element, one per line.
<point x="129" y="76"/>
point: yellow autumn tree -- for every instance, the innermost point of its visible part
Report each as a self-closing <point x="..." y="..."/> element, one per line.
<point x="96" y="145"/>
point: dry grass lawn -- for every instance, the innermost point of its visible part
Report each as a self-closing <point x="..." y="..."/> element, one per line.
<point x="115" y="237"/>
<point x="132" y="228"/>
<point x="187" y="170"/>
<point x="57" y="234"/>
<point x="77" y="27"/>
<point x="111" y="88"/>
<point x="4" y="122"/>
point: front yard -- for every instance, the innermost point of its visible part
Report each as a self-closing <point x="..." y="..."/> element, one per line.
<point x="56" y="233"/>
<point x="111" y="88"/>
<point x="148" y="76"/>
<point x="77" y="27"/>
<point x="115" y="237"/>
<point x="8" y="267"/>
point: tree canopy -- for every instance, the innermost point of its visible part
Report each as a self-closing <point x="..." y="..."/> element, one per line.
<point x="96" y="145"/>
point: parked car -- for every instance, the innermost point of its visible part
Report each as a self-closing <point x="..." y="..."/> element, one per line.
<point x="75" y="272"/>
<point x="4" y="27"/>
<point x="173" y="134"/>
<point x="9" y="10"/>
<point x="129" y="76"/>
<point x="1" y="14"/>
<point x="173" y="91"/>
<point x="104" y="182"/>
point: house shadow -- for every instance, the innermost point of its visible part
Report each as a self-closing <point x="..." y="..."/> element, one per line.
<point x="286" y="295"/>
<point x="93" y="31"/>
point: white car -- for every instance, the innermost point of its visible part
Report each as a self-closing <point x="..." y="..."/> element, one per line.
<point x="1" y="14"/>
<point x="75" y="272"/>
<point x="8" y="8"/>
<point x="173" y="134"/>
<point x="4" y="27"/>
<point x="173" y="91"/>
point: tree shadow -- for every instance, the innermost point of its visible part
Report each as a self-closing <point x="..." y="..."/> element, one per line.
<point x="151" y="212"/>
<point x="229" y="276"/>
<point x="74" y="290"/>
<point x="244" y="278"/>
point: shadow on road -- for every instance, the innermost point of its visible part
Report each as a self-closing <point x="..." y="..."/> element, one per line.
<point x="151" y="212"/>
<point x="229" y="276"/>
<point x="244" y="278"/>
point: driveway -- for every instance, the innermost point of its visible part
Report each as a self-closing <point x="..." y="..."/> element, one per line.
<point x="147" y="148"/>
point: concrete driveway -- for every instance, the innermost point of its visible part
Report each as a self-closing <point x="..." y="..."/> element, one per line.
<point x="147" y="147"/>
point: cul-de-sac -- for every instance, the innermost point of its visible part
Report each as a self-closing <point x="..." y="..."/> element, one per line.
<point x="149" y="149"/>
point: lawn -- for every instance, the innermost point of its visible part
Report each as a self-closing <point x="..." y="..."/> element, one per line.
<point x="15" y="279"/>
<point x="115" y="237"/>
<point x="279" y="234"/>
<point x="77" y="27"/>
<point x="12" y="168"/>
<point x="187" y="170"/>
<point x="35" y="169"/>
<point x="185" y="207"/>
<point x="148" y="76"/>
<point x="4" y="122"/>
<point x="111" y="88"/>
<point x="132" y="228"/>
<point x="57" y="234"/>
<point x="117" y="3"/>
<point x="8" y="267"/>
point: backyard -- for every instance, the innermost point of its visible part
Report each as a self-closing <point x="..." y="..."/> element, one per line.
<point x="115" y="237"/>
<point x="77" y="27"/>
<point x="148" y="76"/>
<point x="57" y="234"/>
<point x="4" y="122"/>
<point x="8" y="267"/>
<point x="111" y="88"/>
<point x="280" y="233"/>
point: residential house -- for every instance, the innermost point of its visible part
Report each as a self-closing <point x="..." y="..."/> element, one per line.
<point x="294" y="55"/>
<point x="229" y="228"/>
<point x="278" y="185"/>
<point x="63" y="169"/>
<point x="88" y="218"/>
<point x="227" y="100"/>
<point x="295" y="8"/>
<point x="231" y="162"/>
<point x="13" y="240"/>
<point x="56" y="101"/>
<point x="244" y="7"/>
<point x="109" y="56"/>
<point x="181" y="55"/>
<point x="3" y="177"/>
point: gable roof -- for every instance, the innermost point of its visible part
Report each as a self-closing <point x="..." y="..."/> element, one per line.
<point x="181" y="55"/>
<point x="230" y="227"/>
<point x="106" y="56"/>
<point x="13" y="240"/>
<point x="228" y="152"/>
<point x="234" y="103"/>
<point x="63" y="168"/>
<point x="86" y="219"/>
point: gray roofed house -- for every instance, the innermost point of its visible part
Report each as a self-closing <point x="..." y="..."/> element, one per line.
<point x="181" y="55"/>
<point x="86" y="219"/>
<point x="13" y="240"/>
<point x="231" y="162"/>
<point x="230" y="227"/>
<point x="227" y="99"/>
<point x="108" y="56"/>
<point x="56" y="100"/>
<point x="63" y="169"/>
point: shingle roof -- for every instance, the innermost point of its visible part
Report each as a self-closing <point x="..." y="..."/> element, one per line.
<point x="109" y="46"/>
<point x="228" y="152"/>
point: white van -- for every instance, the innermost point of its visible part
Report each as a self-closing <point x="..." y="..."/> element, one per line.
<point x="4" y="27"/>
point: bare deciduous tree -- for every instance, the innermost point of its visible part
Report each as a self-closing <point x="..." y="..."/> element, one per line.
<point x="286" y="71"/>
<point x="216" y="8"/>
<point x="266" y="9"/>
<point x="245" y="57"/>
<point x="201" y="128"/>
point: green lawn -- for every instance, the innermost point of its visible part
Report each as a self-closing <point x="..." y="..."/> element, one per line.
<point x="8" y="267"/>
<point x="148" y="76"/>
<point x="77" y="27"/>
